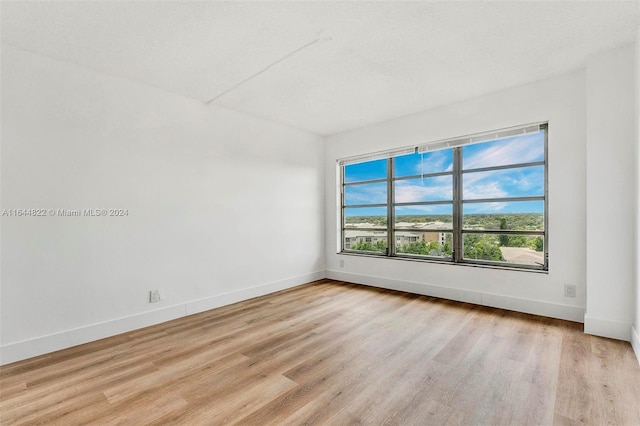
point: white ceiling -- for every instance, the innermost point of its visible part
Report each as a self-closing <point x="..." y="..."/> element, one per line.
<point x="324" y="67"/>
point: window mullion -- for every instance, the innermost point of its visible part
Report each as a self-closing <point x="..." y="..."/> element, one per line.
<point x="457" y="204"/>
<point x="546" y="197"/>
<point x="391" y="240"/>
<point x="343" y="221"/>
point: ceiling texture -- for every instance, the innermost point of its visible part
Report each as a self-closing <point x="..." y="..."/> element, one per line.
<point x="324" y="67"/>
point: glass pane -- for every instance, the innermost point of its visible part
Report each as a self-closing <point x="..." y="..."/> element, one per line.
<point x="364" y="240"/>
<point x="514" y="249"/>
<point x="482" y="247"/>
<point x="516" y="150"/>
<point x="433" y="244"/>
<point x="512" y="216"/>
<point x="366" y="217"/>
<point x="424" y="163"/>
<point x="439" y="216"/>
<point x="522" y="249"/>
<point x="369" y="170"/>
<point x="366" y="193"/>
<point x="439" y="188"/>
<point x="518" y="182"/>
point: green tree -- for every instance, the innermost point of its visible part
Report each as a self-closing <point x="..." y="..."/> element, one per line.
<point x="504" y="239"/>
<point x="429" y="248"/>
<point x="483" y="247"/>
<point x="378" y="246"/>
<point x="418" y="247"/>
<point x="363" y="246"/>
<point x="538" y="244"/>
<point x="518" y="241"/>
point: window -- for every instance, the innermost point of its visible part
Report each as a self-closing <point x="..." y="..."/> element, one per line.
<point x="481" y="199"/>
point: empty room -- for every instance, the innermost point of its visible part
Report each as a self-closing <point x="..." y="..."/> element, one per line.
<point x="349" y="212"/>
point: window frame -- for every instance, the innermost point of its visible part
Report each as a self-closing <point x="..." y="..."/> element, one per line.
<point x="458" y="202"/>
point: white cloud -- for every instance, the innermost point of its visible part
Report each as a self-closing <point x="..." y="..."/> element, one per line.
<point x="479" y="190"/>
<point x="503" y="183"/>
<point x="485" y="208"/>
<point x="522" y="149"/>
<point x="375" y="193"/>
<point x="430" y="189"/>
<point x="435" y="162"/>
<point x="428" y="209"/>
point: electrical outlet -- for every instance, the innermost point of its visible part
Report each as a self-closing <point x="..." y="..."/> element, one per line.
<point x="154" y="296"/>
<point x="569" y="290"/>
<point x="342" y="263"/>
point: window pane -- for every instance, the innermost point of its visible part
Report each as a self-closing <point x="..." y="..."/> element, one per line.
<point x="515" y="249"/>
<point x="369" y="170"/>
<point x="422" y="218"/>
<point x="424" y="163"/>
<point x="363" y="240"/>
<point x="433" y="244"/>
<point x="482" y="247"/>
<point x="522" y="249"/>
<point x="428" y="217"/>
<point x="516" y="150"/>
<point x="512" y="216"/>
<point x="518" y="182"/>
<point x="367" y="217"/>
<point x="437" y="188"/>
<point x="366" y="193"/>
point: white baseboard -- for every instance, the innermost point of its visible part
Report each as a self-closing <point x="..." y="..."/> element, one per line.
<point x="536" y="307"/>
<point x="65" y="339"/>
<point x="635" y="342"/>
<point x="607" y="328"/>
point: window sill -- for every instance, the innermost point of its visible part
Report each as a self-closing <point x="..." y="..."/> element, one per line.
<point x="446" y="262"/>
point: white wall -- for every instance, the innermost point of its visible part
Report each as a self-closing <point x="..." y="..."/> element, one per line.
<point x="561" y="101"/>
<point x="611" y="192"/>
<point x="222" y="206"/>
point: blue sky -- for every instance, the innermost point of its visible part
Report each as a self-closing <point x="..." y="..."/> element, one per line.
<point x="519" y="182"/>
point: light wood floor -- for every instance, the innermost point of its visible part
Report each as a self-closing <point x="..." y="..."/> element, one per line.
<point x="334" y="353"/>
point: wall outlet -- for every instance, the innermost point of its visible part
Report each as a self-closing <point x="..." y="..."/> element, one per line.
<point x="569" y="290"/>
<point x="154" y="296"/>
<point x="342" y="263"/>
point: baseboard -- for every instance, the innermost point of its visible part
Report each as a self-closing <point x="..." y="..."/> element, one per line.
<point x="217" y="301"/>
<point x="635" y="342"/>
<point x="536" y="307"/>
<point x="45" y="344"/>
<point x="607" y="328"/>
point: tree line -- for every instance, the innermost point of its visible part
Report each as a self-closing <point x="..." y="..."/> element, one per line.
<point x="511" y="221"/>
<point x="476" y="246"/>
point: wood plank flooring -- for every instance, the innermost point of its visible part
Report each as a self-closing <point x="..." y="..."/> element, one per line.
<point x="334" y="353"/>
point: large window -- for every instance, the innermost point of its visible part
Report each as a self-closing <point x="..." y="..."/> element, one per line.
<point x="480" y="199"/>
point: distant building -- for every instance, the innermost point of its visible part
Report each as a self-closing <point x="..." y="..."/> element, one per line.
<point x="356" y="233"/>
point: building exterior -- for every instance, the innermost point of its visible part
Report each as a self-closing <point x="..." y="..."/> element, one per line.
<point x="358" y="233"/>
